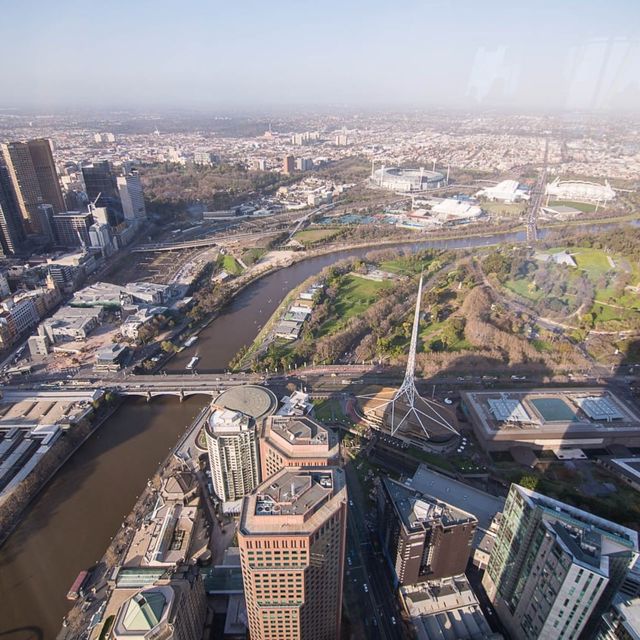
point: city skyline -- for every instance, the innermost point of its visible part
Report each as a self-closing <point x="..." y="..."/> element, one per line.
<point x="374" y="55"/>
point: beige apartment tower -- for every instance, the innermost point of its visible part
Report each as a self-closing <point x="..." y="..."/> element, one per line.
<point x="292" y="538"/>
<point x="34" y="178"/>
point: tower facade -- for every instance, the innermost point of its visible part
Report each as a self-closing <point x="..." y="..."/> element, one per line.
<point x="131" y="196"/>
<point x="34" y="178"/>
<point x="292" y="538"/>
<point x="423" y="538"/>
<point x="12" y="233"/>
<point x="233" y="454"/>
<point x="289" y="165"/>
<point x="554" y="569"/>
<point x="102" y="189"/>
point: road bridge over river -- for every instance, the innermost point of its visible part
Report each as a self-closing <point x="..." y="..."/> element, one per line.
<point x="318" y="381"/>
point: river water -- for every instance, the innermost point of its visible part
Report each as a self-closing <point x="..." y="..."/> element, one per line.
<point x="71" y="522"/>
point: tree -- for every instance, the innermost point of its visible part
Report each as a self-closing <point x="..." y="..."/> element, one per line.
<point x="529" y="481"/>
<point x="168" y="347"/>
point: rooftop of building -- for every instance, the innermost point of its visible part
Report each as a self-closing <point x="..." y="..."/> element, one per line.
<point x="252" y="400"/>
<point x="418" y="510"/>
<point x="226" y="421"/>
<point x="166" y="532"/>
<point x="111" y="353"/>
<point x="40" y="414"/>
<point x="629" y="610"/>
<point x="447" y="609"/>
<point x="146" y="287"/>
<point x="553" y="411"/>
<point x="144" y="611"/>
<point x="586" y="537"/>
<point x="75" y="317"/>
<point x="293" y="501"/>
<point x="298" y="431"/>
<point x="296" y="403"/>
<point x="98" y="292"/>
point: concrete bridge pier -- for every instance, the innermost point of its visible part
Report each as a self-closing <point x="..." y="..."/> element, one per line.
<point x="181" y="395"/>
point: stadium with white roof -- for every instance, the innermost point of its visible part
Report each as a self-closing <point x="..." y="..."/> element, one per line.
<point x="580" y="191"/>
<point x="407" y="180"/>
<point x="505" y="191"/>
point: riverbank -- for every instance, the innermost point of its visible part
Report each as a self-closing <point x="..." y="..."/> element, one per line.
<point x="15" y="507"/>
<point x="80" y="616"/>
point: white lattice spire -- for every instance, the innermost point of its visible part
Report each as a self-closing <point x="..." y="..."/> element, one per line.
<point x="429" y="411"/>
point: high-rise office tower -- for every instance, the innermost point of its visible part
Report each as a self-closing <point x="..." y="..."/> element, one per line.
<point x="12" y="233"/>
<point x="102" y="189"/>
<point x="45" y="221"/>
<point x="292" y="535"/>
<point x="554" y="569"/>
<point x="295" y="442"/>
<point x="131" y="196"/>
<point x="423" y="538"/>
<point x="34" y="178"/>
<point x="233" y="454"/>
<point x="71" y="228"/>
<point x="289" y="165"/>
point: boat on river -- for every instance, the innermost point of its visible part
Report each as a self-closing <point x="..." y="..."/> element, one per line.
<point x="190" y="341"/>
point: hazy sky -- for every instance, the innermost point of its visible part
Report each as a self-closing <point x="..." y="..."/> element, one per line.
<point x="517" y="53"/>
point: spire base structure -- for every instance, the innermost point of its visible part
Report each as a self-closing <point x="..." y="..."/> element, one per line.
<point x="423" y="411"/>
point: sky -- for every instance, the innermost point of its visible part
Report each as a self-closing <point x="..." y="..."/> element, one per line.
<point x="521" y="54"/>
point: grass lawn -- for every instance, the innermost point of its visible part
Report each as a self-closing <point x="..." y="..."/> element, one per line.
<point x="312" y="236"/>
<point x="505" y="208"/>
<point x="542" y="346"/>
<point x="251" y="256"/>
<point x="593" y="261"/>
<point x="587" y="207"/>
<point x="409" y="265"/>
<point x="521" y="288"/>
<point x="328" y="410"/>
<point x="230" y="264"/>
<point x="605" y="313"/>
<point x="402" y="266"/>
<point x="355" y="296"/>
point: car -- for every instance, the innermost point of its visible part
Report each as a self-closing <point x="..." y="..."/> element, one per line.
<point x="351" y="503"/>
<point x="393" y="620"/>
<point x="448" y="401"/>
<point x="349" y="561"/>
<point x="365" y="587"/>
